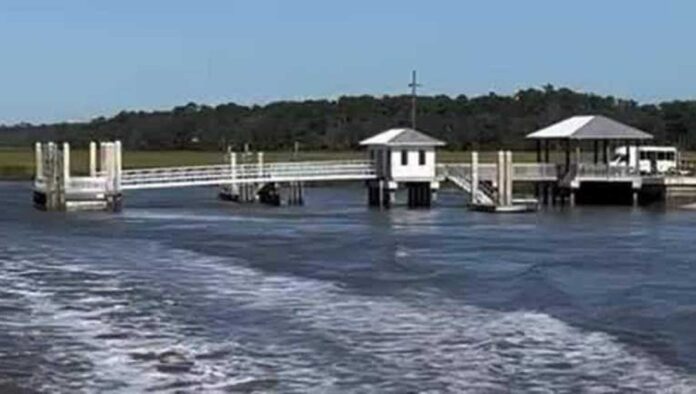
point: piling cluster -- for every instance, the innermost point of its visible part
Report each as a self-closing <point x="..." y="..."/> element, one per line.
<point x="57" y="189"/>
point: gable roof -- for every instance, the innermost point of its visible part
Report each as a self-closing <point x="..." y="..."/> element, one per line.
<point x="595" y="127"/>
<point x="403" y="136"/>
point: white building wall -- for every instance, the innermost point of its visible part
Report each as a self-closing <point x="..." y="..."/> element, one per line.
<point x="380" y="156"/>
<point x="413" y="170"/>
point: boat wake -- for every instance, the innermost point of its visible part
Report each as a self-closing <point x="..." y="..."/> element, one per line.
<point x="156" y="318"/>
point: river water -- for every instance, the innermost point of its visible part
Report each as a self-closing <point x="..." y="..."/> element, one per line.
<point x="182" y="292"/>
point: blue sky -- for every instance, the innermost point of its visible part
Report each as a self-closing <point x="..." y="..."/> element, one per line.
<point x="77" y="59"/>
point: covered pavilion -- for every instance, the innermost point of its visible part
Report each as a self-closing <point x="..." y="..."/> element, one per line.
<point x="579" y="131"/>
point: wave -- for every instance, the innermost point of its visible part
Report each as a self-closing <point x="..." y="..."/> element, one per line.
<point x="139" y="315"/>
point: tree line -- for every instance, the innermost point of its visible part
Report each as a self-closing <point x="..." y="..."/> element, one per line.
<point x="484" y="122"/>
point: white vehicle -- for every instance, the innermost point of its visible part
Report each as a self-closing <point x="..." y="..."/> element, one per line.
<point x="648" y="159"/>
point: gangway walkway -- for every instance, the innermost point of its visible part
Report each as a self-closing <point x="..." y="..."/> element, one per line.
<point x="218" y="175"/>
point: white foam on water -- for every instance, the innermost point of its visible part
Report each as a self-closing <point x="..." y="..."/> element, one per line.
<point x="174" y="216"/>
<point x="107" y="350"/>
<point x="445" y="345"/>
<point x="342" y="340"/>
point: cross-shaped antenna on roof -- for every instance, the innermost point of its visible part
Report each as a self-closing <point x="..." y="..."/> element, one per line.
<point x="414" y="85"/>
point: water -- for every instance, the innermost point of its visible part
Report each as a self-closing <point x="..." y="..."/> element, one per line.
<point x="182" y="292"/>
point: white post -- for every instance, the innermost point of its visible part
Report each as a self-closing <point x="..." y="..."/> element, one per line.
<point x="234" y="187"/>
<point x="102" y="158"/>
<point x="66" y="164"/>
<point x="118" y="166"/>
<point x="51" y="185"/>
<point x="38" y="160"/>
<point x="474" y="176"/>
<point x="501" y="177"/>
<point x="508" y="178"/>
<point x="260" y="163"/>
<point x="109" y="166"/>
<point x="233" y="165"/>
<point x="92" y="159"/>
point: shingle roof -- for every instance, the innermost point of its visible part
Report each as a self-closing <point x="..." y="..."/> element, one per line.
<point x="590" y="128"/>
<point x="403" y="136"/>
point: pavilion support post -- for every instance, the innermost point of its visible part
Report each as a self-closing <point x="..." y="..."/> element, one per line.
<point x="627" y="144"/>
<point x="578" y="153"/>
<point x="606" y="152"/>
<point x="567" y="155"/>
<point x="537" y="185"/>
<point x="547" y="160"/>
<point x="596" y="151"/>
<point x="567" y="166"/>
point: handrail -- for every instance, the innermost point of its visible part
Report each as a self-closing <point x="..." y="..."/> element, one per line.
<point x="255" y="172"/>
<point x="521" y="171"/>
<point x="461" y="176"/>
<point x="604" y="171"/>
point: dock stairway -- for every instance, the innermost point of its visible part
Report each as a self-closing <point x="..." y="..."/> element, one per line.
<point x="460" y="176"/>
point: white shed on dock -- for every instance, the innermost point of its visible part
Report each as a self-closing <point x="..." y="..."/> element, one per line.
<point x="403" y="156"/>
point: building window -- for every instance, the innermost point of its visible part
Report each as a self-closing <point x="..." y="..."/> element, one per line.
<point x="404" y="157"/>
<point x="421" y="157"/>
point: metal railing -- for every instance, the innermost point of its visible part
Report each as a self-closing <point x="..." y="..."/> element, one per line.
<point x="77" y="184"/>
<point x="521" y="171"/>
<point x="86" y="184"/>
<point x="534" y="172"/>
<point x="588" y="170"/>
<point x="460" y="175"/>
<point x="248" y="173"/>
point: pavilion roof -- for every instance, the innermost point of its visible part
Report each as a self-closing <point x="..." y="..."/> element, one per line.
<point x="593" y="127"/>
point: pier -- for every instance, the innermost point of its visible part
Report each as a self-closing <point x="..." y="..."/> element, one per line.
<point x="399" y="161"/>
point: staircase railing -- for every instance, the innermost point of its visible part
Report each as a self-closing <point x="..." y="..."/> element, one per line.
<point x="460" y="175"/>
